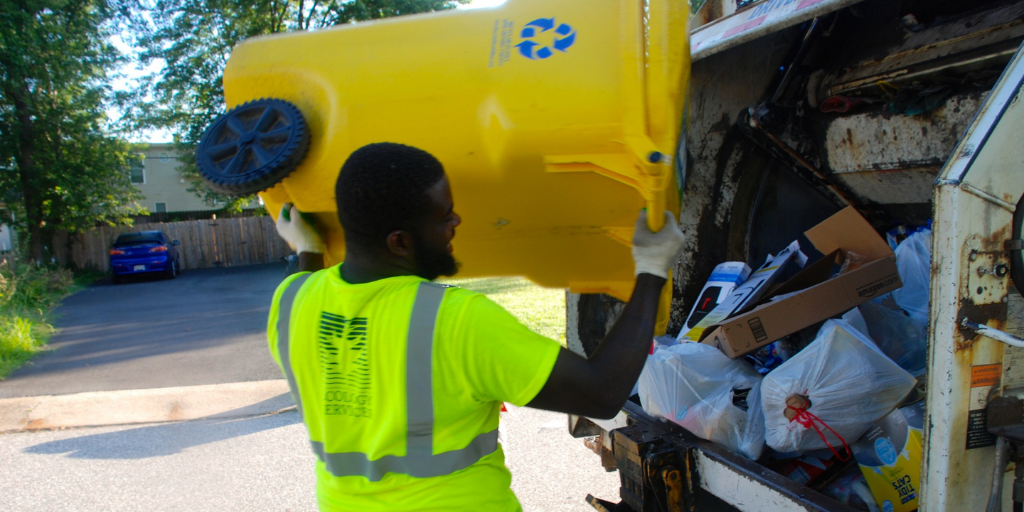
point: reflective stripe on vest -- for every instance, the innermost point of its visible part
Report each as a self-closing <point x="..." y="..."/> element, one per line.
<point x="419" y="460"/>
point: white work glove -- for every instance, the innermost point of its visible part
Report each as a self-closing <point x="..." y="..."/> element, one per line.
<point x="300" y="235"/>
<point x="656" y="253"/>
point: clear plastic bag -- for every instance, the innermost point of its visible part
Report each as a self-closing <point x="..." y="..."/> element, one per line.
<point x="914" y="262"/>
<point x="899" y="335"/>
<point x="842" y="383"/>
<point x="894" y="332"/>
<point x="699" y="388"/>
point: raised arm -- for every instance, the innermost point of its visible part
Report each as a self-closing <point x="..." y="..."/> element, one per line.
<point x="599" y="386"/>
<point x="302" y="237"/>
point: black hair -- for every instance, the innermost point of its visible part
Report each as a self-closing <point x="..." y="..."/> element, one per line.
<point x="381" y="188"/>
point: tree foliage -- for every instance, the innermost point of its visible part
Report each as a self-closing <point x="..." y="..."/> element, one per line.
<point x="59" y="166"/>
<point x="191" y="40"/>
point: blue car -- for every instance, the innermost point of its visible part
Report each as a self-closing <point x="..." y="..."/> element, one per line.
<point x="145" y="252"/>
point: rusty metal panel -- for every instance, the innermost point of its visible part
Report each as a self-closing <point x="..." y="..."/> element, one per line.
<point x="902" y="186"/>
<point x="976" y="193"/>
<point x="871" y="142"/>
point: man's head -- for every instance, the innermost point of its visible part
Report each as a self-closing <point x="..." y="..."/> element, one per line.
<point x="394" y="200"/>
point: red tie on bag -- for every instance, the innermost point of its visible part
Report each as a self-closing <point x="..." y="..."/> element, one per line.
<point x="799" y="405"/>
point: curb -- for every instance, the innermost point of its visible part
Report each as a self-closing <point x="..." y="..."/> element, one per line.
<point x="105" y="408"/>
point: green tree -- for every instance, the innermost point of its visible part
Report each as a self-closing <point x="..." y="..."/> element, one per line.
<point x="60" y="168"/>
<point x="191" y="40"/>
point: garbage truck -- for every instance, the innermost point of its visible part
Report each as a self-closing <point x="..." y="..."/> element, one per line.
<point x="754" y="121"/>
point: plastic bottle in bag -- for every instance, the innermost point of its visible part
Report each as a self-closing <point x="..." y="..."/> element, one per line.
<point x="831" y="392"/>
<point x="699" y="388"/>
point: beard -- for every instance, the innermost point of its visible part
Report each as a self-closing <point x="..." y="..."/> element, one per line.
<point x="433" y="262"/>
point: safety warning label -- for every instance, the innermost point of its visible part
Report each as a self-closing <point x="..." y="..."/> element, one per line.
<point x="983" y="378"/>
<point x="985" y="375"/>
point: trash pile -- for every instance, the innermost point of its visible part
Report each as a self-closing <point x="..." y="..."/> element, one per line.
<point x="810" y="368"/>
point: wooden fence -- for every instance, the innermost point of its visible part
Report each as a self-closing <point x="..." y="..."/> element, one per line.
<point x="204" y="243"/>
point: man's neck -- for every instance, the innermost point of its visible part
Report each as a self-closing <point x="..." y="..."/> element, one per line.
<point x="364" y="267"/>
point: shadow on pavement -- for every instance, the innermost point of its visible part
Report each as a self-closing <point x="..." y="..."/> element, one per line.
<point x="168" y="438"/>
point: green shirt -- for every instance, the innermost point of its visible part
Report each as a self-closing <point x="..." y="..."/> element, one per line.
<point x="348" y="350"/>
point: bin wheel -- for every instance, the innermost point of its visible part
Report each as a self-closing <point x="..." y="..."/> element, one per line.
<point x="252" y="147"/>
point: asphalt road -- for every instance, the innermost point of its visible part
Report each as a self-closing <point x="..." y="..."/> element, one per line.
<point x="257" y="463"/>
<point x="205" y="327"/>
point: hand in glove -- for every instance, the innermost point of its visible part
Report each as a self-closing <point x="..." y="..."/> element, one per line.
<point x="656" y="253"/>
<point x="298" y="232"/>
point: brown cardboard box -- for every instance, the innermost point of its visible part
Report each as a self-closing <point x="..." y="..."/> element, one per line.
<point x="820" y="298"/>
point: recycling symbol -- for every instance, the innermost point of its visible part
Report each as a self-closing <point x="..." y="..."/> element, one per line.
<point x="565" y="37"/>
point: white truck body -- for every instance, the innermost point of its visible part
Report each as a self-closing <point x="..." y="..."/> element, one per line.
<point x="759" y="152"/>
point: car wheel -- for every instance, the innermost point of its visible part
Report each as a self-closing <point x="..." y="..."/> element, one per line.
<point x="252" y="147"/>
<point x="172" y="270"/>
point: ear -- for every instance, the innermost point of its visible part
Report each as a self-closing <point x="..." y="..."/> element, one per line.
<point x="400" y="243"/>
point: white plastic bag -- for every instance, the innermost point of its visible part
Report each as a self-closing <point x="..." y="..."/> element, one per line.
<point x="849" y="383"/>
<point x="693" y="385"/>
<point x="914" y="262"/>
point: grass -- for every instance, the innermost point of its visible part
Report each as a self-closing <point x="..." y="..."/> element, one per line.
<point x="540" y="309"/>
<point x="28" y="294"/>
<point x="85" y="278"/>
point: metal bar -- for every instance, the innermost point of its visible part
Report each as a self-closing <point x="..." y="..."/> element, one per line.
<point x="804" y="46"/>
<point x="813" y="175"/>
<point x="992" y="332"/>
<point x="756" y="21"/>
<point x="967" y="187"/>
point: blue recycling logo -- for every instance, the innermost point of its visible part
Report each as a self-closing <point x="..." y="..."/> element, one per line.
<point x="886" y="451"/>
<point x="564" y="38"/>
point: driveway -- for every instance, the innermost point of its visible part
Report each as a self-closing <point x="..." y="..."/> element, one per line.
<point x="205" y="327"/>
<point x="255" y="463"/>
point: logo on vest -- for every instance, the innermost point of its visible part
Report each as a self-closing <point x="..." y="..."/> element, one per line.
<point x="344" y="357"/>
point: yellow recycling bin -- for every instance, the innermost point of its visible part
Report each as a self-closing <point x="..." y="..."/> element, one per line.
<point x="556" y="122"/>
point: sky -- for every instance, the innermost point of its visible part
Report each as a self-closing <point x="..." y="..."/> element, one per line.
<point x="165" y="136"/>
<point x="475" y="4"/>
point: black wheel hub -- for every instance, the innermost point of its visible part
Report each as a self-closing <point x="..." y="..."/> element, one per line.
<point x="252" y="147"/>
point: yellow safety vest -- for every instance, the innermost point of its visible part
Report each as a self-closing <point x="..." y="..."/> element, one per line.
<point x="419" y="460"/>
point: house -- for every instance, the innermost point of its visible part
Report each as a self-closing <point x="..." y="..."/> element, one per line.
<point x="155" y="173"/>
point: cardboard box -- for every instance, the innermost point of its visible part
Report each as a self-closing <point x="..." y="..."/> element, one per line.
<point x="814" y="297"/>
<point x="724" y="279"/>
<point x="753" y="289"/>
<point x="889" y="455"/>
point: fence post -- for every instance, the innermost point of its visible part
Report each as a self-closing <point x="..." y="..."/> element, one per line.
<point x="216" y="256"/>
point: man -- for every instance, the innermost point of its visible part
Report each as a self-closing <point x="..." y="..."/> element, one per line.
<point x="399" y="380"/>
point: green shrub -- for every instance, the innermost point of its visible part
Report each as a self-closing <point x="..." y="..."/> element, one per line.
<point x="20" y="339"/>
<point x="27" y="294"/>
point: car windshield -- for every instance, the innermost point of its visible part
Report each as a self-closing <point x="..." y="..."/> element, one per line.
<point x="139" y="238"/>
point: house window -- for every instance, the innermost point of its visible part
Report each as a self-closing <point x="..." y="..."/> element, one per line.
<point x="138" y="169"/>
<point x="161" y="207"/>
